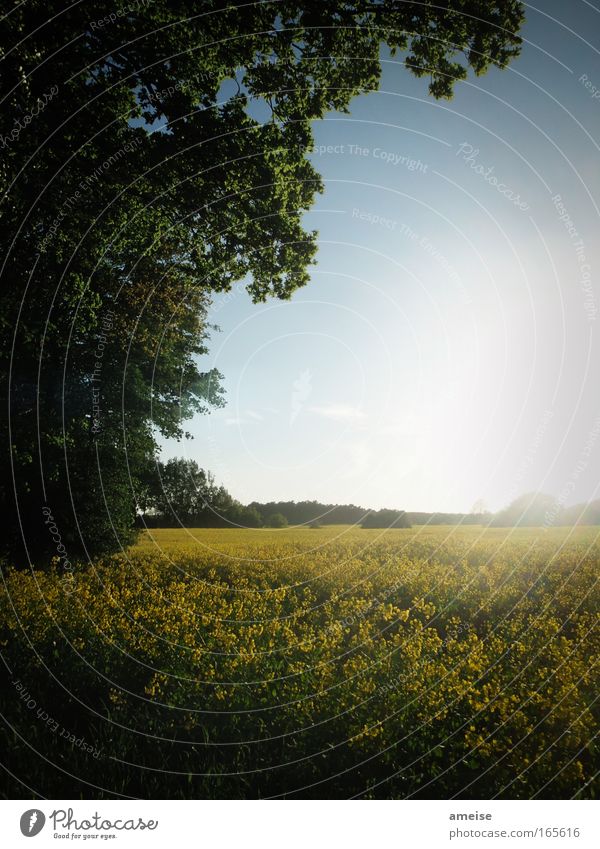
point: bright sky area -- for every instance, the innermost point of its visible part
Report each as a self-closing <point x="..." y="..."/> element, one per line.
<point x="446" y="349"/>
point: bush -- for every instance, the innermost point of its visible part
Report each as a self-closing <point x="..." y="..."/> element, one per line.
<point x="277" y="520"/>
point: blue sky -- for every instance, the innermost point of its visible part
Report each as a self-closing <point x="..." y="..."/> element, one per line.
<point x="446" y="349"/>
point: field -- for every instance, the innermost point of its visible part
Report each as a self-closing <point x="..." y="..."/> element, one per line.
<point x="336" y="662"/>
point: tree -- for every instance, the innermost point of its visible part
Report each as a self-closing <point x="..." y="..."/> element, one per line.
<point x="386" y="519"/>
<point x="179" y="493"/>
<point x="307" y="512"/>
<point x="581" y="514"/>
<point x="277" y="520"/>
<point x="183" y="491"/>
<point x="532" y="509"/>
<point x="136" y="182"/>
<point x="243" y="517"/>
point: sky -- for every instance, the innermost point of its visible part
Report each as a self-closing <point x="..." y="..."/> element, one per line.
<point x="446" y="350"/>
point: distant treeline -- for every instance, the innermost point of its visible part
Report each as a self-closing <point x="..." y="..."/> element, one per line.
<point x="311" y="512"/>
<point x="315" y="513"/>
<point x="449" y="518"/>
<point x="537" y="509"/>
<point x="179" y="493"/>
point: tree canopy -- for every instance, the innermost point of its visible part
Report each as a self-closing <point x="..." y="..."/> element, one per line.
<point x="386" y="519"/>
<point x="179" y="493"/>
<point x="153" y="156"/>
<point x="530" y="509"/>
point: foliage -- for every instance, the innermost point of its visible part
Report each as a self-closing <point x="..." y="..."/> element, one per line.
<point x="182" y="492"/>
<point x="179" y="493"/>
<point x="277" y="520"/>
<point x="386" y="519"/>
<point x="534" y="509"/>
<point x="238" y="664"/>
<point x="309" y="512"/>
<point x="581" y="514"/>
<point x="422" y="518"/>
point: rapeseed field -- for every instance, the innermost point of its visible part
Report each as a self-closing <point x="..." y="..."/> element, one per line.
<point x="322" y="663"/>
